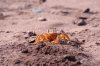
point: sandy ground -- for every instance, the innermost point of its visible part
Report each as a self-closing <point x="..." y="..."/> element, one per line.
<point x="18" y="19"/>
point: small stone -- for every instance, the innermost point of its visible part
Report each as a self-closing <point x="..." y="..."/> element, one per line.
<point x="87" y="10"/>
<point x="83" y="41"/>
<point x="97" y="43"/>
<point x="17" y="62"/>
<point x="81" y="22"/>
<point x="42" y="1"/>
<point x="79" y="63"/>
<point x="25" y="51"/>
<point x="31" y="34"/>
<point x="70" y="58"/>
<point x="8" y="31"/>
<point x="26" y="37"/>
<point x="42" y="19"/>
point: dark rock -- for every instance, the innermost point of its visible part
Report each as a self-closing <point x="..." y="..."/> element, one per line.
<point x="17" y="62"/>
<point x="43" y="0"/>
<point x="8" y="31"/>
<point x="79" y="63"/>
<point x="25" y="51"/>
<point x="26" y="37"/>
<point x="83" y="41"/>
<point x="81" y="22"/>
<point x="70" y="58"/>
<point x="97" y="43"/>
<point x="87" y="10"/>
<point x="31" y="34"/>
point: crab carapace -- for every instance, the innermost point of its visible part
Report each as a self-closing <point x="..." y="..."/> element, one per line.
<point x="52" y="37"/>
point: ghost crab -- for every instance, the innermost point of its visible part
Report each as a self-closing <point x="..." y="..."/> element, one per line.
<point x="52" y="37"/>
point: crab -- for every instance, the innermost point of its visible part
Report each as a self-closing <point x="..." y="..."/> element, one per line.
<point x="52" y="37"/>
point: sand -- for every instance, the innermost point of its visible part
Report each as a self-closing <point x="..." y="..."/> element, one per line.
<point x="17" y="19"/>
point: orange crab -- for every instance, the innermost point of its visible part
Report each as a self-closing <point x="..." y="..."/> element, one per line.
<point x="52" y="37"/>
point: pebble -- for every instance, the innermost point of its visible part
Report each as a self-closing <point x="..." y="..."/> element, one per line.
<point x="42" y="1"/>
<point x="87" y="10"/>
<point x="31" y="34"/>
<point x="17" y="62"/>
<point x="97" y="43"/>
<point x="25" y="51"/>
<point x="8" y="31"/>
<point x="81" y="22"/>
<point x="42" y="19"/>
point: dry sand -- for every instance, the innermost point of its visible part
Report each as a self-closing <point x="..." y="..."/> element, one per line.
<point x="17" y="19"/>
